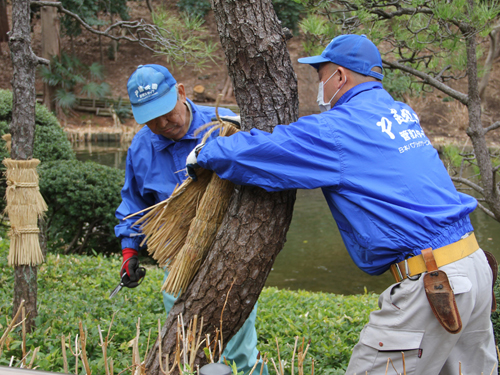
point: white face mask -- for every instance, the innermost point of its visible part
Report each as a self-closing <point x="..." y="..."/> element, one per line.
<point x="323" y="107"/>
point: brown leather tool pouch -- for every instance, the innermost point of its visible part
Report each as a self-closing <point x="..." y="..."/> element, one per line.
<point x="494" y="268"/>
<point x="440" y="295"/>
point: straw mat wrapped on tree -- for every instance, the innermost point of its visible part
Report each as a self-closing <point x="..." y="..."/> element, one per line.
<point x="25" y="205"/>
<point x="180" y="230"/>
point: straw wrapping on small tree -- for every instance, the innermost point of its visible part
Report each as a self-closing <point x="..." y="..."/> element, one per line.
<point x="25" y="205"/>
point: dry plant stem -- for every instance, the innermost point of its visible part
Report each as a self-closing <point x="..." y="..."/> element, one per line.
<point x="75" y="353"/>
<point x="180" y="323"/>
<point x="279" y="357"/>
<point x="312" y="366"/>
<point x="65" y="357"/>
<point x="275" y="368"/>
<point x="221" y="315"/>
<point x="23" y="316"/>
<point x="404" y="364"/>
<point x="163" y="371"/>
<point x="264" y="363"/>
<point x="147" y="346"/>
<point x="255" y="364"/>
<point x="493" y="369"/>
<point x="35" y="352"/>
<point x="136" y="359"/>
<point x="104" y="347"/>
<point x="83" y="343"/>
<point x="11" y="326"/>
<point x="293" y="355"/>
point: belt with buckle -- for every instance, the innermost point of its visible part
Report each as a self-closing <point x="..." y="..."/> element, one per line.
<point x="444" y="255"/>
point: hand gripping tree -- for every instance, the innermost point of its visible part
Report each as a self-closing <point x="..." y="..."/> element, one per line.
<point x="254" y="228"/>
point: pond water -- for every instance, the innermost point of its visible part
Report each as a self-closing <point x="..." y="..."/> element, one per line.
<point x="314" y="257"/>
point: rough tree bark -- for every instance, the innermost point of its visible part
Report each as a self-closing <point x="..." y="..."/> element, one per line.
<point x="22" y="129"/>
<point x="253" y="231"/>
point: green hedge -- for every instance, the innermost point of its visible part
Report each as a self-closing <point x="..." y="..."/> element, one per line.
<point x="82" y="199"/>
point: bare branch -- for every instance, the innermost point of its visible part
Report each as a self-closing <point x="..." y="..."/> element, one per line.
<point x="426" y="78"/>
<point x="486" y="211"/>
<point x="141" y="32"/>
<point x="469" y="183"/>
<point x="492" y="127"/>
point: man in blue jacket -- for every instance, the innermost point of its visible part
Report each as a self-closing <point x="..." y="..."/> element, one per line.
<point x="391" y="197"/>
<point x="155" y="164"/>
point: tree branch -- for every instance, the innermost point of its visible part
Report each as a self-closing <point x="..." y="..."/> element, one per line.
<point x="486" y="211"/>
<point x="470" y="184"/>
<point x="426" y="78"/>
<point x="492" y="127"/>
<point x="136" y="30"/>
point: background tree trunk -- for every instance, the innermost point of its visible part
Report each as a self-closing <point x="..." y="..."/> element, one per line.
<point x="4" y="23"/>
<point x="253" y="231"/>
<point x="50" y="48"/>
<point x="22" y="129"/>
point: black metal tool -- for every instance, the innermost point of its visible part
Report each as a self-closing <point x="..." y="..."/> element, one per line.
<point x="126" y="282"/>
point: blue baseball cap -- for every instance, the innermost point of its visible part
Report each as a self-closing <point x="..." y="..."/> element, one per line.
<point x="152" y="92"/>
<point x="354" y="52"/>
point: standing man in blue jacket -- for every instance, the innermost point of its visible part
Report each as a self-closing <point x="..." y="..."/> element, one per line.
<point x="156" y="164"/>
<point x="391" y="198"/>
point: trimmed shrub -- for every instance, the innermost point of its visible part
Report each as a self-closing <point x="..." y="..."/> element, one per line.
<point x="50" y="141"/>
<point x="82" y="199"/>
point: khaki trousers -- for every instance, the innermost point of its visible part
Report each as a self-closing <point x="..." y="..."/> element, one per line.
<point x="405" y="324"/>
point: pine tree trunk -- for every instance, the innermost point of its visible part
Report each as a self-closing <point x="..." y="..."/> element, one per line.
<point x="253" y="231"/>
<point x="22" y="129"/>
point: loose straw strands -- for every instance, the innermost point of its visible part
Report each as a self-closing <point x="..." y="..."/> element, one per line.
<point x="25" y="205"/>
<point x="166" y="225"/>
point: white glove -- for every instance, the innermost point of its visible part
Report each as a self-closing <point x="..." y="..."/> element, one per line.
<point x="192" y="161"/>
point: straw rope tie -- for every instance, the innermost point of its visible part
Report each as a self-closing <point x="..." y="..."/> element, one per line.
<point x="15" y="184"/>
<point x="17" y="232"/>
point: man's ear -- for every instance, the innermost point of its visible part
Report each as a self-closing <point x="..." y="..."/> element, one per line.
<point x="342" y="75"/>
<point x="181" y="90"/>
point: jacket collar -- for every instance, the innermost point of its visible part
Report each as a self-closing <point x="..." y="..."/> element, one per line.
<point x="160" y="142"/>
<point x="365" y="86"/>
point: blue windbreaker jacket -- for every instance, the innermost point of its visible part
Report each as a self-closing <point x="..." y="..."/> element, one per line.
<point x="150" y="172"/>
<point x="385" y="185"/>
